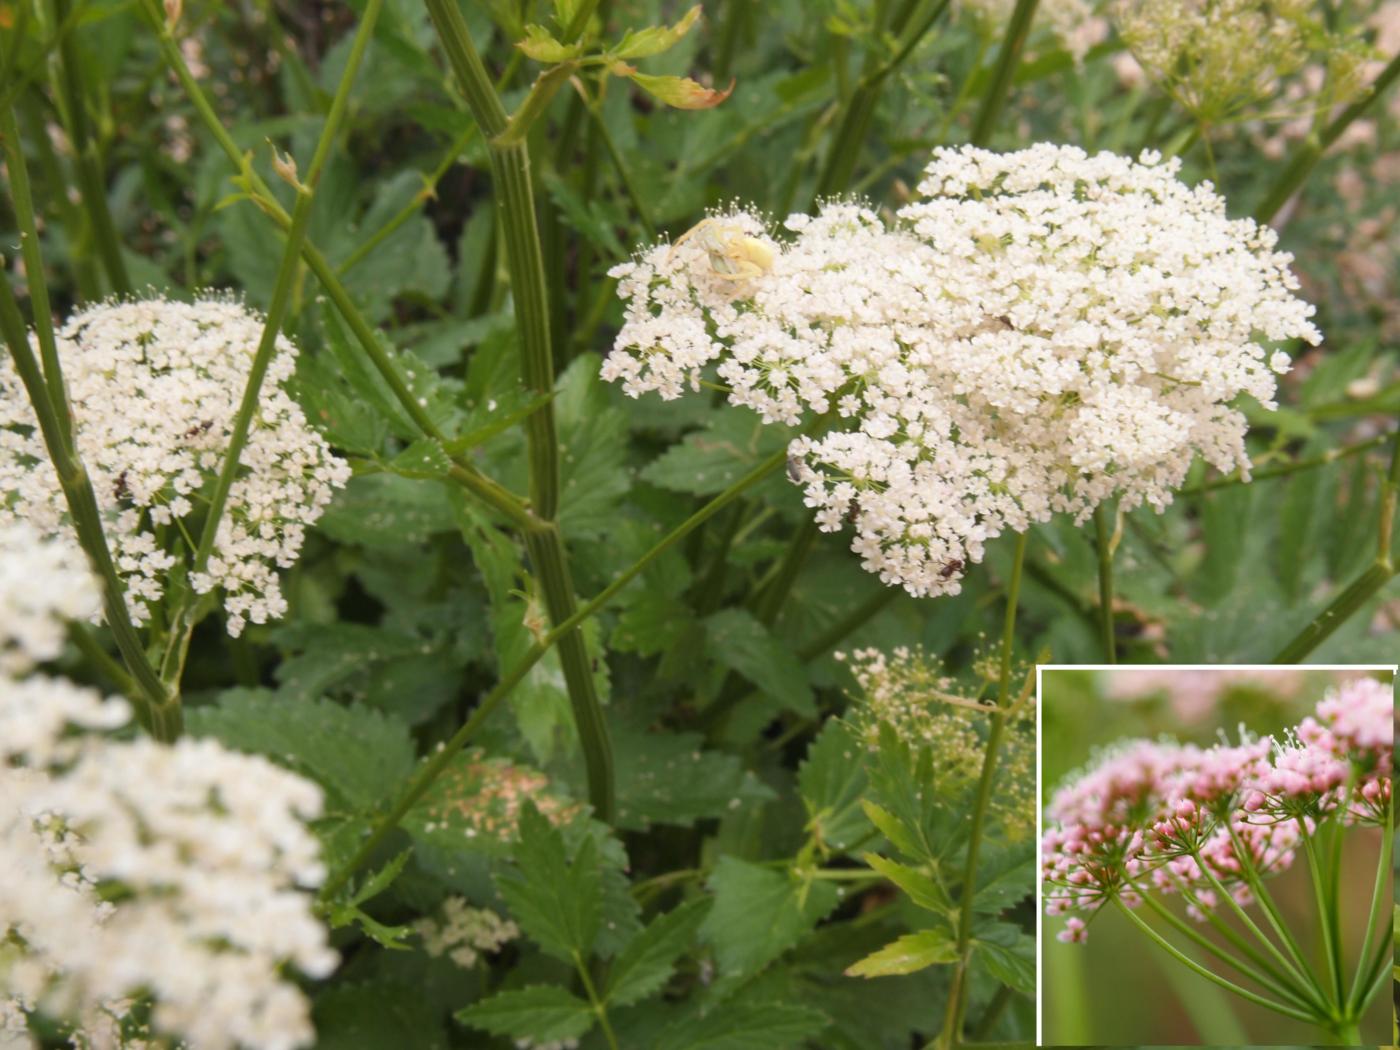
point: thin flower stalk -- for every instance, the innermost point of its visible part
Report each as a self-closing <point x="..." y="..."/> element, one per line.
<point x="510" y="168"/>
<point x="951" y="1035"/>
<point x="186" y="615"/>
<point x="1308" y="152"/>
<point x="1103" y="545"/>
<point x="1365" y="587"/>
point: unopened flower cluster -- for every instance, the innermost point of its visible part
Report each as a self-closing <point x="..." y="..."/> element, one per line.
<point x="907" y="691"/>
<point x="1173" y="818"/>
<point x="464" y="933"/>
<point x="154" y="388"/>
<point x="172" y="877"/>
<point x="1042" y="331"/>
<point x="1074" y="23"/>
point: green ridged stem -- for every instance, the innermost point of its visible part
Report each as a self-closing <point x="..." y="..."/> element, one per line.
<point x="1103" y="544"/>
<point x="510" y="170"/>
<point x="951" y="1035"/>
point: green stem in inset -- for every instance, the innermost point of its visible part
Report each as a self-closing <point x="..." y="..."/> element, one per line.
<point x="1331" y="948"/>
<point x="957" y="995"/>
<point x="1377" y="908"/>
<point x="1018" y="27"/>
<point x="1299" y="971"/>
<point x="1255" y="880"/>
<point x="510" y="170"/>
<point x="1103" y="542"/>
<point x="1308" y="152"/>
<point x="1265" y="976"/>
<point x="437" y="763"/>
<point x="1210" y="975"/>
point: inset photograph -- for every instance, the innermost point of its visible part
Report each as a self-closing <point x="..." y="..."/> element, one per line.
<point x="1216" y="855"/>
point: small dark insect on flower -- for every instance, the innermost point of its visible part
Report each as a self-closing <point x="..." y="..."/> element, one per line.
<point x="120" y="489"/>
<point x="794" y="469"/>
<point x="953" y="566"/>
<point x="202" y="427"/>
<point x="853" y="513"/>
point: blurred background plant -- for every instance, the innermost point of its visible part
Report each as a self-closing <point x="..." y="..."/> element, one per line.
<point x="144" y="134"/>
<point x="1083" y="713"/>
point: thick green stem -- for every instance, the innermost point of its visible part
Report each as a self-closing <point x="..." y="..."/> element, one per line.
<point x="154" y="709"/>
<point x="957" y="996"/>
<point x="1210" y="975"/>
<point x="851" y="133"/>
<point x="1311" y="150"/>
<point x="39" y="308"/>
<point x="1364" y="587"/>
<point x="1018" y="27"/>
<point x="510" y="169"/>
<point x="1103" y="542"/>
<point x="434" y="766"/>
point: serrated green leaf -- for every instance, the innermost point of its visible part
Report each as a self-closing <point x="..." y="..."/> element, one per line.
<point x="557" y="900"/>
<point x="759" y="913"/>
<point x="710" y="460"/>
<point x="748" y="1026"/>
<point x="539" y="44"/>
<point x="425" y="459"/>
<point x="353" y="752"/>
<point x="908" y="954"/>
<point x="832" y="780"/>
<point x="668" y="778"/>
<point x="644" y="966"/>
<point x="738" y="641"/>
<point x="540" y="1013"/>
<point x="922" y="889"/>
<point x="654" y="40"/>
<point x="892" y="828"/>
<point x="1013" y="965"/>
<point x="677" y="92"/>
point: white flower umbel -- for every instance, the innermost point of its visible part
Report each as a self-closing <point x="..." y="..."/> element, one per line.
<point x="1042" y="331"/>
<point x="43" y="583"/>
<point x="134" y="871"/>
<point x="154" y="387"/>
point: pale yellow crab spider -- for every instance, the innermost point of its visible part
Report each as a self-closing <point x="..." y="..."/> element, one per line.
<point x="733" y="254"/>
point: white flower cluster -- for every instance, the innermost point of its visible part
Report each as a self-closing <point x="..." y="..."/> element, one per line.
<point x="1042" y="331"/>
<point x="43" y="584"/>
<point x="464" y="932"/>
<point x="135" y="870"/>
<point x="154" y="387"/>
